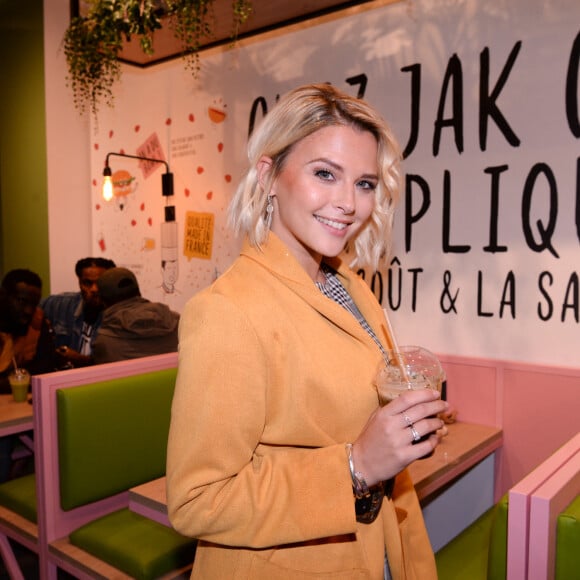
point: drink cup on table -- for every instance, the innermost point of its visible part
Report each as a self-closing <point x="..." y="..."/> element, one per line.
<point x="19" y="383"/>
<point x="408" y="368"/>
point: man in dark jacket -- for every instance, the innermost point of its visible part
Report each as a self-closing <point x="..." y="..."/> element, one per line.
<point x="132" y="326"/>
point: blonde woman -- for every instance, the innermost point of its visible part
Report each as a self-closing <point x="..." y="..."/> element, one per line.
<point x="279" y="459"/>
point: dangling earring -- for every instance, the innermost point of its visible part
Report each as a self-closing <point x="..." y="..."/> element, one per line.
<point x="269" y="212"/>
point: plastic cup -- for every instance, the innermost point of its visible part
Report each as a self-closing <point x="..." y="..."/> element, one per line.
<point x="408" y="368"/>
<point x="19" y="383"/>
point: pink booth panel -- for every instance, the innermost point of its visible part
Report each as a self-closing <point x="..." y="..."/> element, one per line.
<point x="540" y="414"/>
<point x="549" y="473"/>
<point x="546" y="504"/>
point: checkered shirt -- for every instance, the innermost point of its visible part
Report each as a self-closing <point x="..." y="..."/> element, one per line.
<point x="334" y="290"/>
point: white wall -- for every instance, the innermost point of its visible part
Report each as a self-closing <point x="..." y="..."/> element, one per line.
<point x="68" y="155"/>
<point x="493" y="299"/>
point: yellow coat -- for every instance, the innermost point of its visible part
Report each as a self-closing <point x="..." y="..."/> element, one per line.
<point x="273" y="379"/>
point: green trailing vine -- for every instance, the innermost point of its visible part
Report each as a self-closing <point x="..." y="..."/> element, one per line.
<point x="191" y="23"/>
<point x="242" y="11"/>
<point x="92" y="43"/>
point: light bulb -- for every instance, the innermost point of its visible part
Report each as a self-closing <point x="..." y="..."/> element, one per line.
<point x="108" y="188"/>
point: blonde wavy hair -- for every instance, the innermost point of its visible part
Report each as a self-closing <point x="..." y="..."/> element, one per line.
<point x="298" y="114"/>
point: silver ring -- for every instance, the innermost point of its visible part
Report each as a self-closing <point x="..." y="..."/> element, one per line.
<point x="416" y="435"/>
<point x="407" y="420"/>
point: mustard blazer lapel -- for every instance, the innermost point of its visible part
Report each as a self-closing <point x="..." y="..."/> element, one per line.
<point x="276" y="257"/>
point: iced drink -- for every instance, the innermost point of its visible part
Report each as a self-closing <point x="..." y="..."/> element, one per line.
<point x="19" y="382"/>
<point x="409" y="368"/>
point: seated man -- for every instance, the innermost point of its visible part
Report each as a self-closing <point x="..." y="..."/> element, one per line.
<point x="26" y="337"/>
<point x="76" y="316"/>
<point x="26" y="341"/>
<point x="132" y="326"/>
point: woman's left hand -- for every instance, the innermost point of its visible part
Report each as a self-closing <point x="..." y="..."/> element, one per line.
<point x="389" y="442"/>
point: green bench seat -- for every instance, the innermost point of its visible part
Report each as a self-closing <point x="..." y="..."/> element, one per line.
<point x="19" y="495"/>
<point x="135" y="544"/>
<point x="568" y="542"/>
<point x="112" y="436"/>
<point x="480" y="551"/>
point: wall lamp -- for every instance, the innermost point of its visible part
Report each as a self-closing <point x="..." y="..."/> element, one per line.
<point x="166" y="178"/>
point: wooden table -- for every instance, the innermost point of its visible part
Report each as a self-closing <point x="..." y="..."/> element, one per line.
<point x="14" y="417"/>
<point x="465" y="446"/>
<point x="150" y="500"/>
<point x="456" y="485"/>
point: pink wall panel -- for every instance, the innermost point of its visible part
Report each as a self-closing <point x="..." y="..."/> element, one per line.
<point x="540" y="413"/>
<point x="471" y="389"/>
<point x="537" y="407"/>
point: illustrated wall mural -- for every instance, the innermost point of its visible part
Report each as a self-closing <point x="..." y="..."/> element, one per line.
<point x="484" y="99"/>
<point x="178" y="244"/>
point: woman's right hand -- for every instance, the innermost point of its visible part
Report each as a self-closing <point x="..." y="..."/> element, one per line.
<point x="385" y="445"/>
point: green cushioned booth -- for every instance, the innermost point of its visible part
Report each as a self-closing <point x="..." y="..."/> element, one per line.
<point x="568" y="542"/>
<point x="137" y="545"/>
<point x="497" y="550"/>
<point x="19" y="495"/>
<point x="480" y="551"/>
<point x="112" y="436"/>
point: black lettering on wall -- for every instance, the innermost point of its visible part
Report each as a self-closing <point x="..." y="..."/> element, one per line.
<point x="508" y="297"/>
<point x="414" y="281"/>
<point x="453" y="76"/>
<point x="545" y="231"/>
<point x="571" y="298"/>
<point x="259" y="102"/>
<point x="447" y="247"/>
<point x="549" y="304"/>
<point x="377" y="286"/>
<point x="493" y="246"/>
<point x="360" y="80"/>
<point x="480" y="311"/>
<point x="395" y="291"/>
<point x="572" y="88"/>
<point x="487" y="100"/>
<point x="578" y="198"/>
<point x="395" y="269"/>
<point x="410" y="217"/>
<point x="415" y="70"/>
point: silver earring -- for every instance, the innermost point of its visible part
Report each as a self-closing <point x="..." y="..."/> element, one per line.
<point x="269" y="212"/>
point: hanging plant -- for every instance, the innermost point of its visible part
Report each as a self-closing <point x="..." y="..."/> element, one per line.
<point x="92" y="43"/>
<point x="190" y="26"/>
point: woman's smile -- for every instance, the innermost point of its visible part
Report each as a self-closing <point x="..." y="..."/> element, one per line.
<point x="341" y="226"/>
<point x="324" y="192"/>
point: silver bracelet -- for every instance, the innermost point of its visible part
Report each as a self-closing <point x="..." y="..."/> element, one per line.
<point x="359" y="485"/>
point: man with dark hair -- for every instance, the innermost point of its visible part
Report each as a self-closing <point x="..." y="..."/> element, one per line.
<point x="132" y="326"/>
<point x="26" y="341"/>
<point x="26" y="337"/>
<point x="76" y="316"/>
